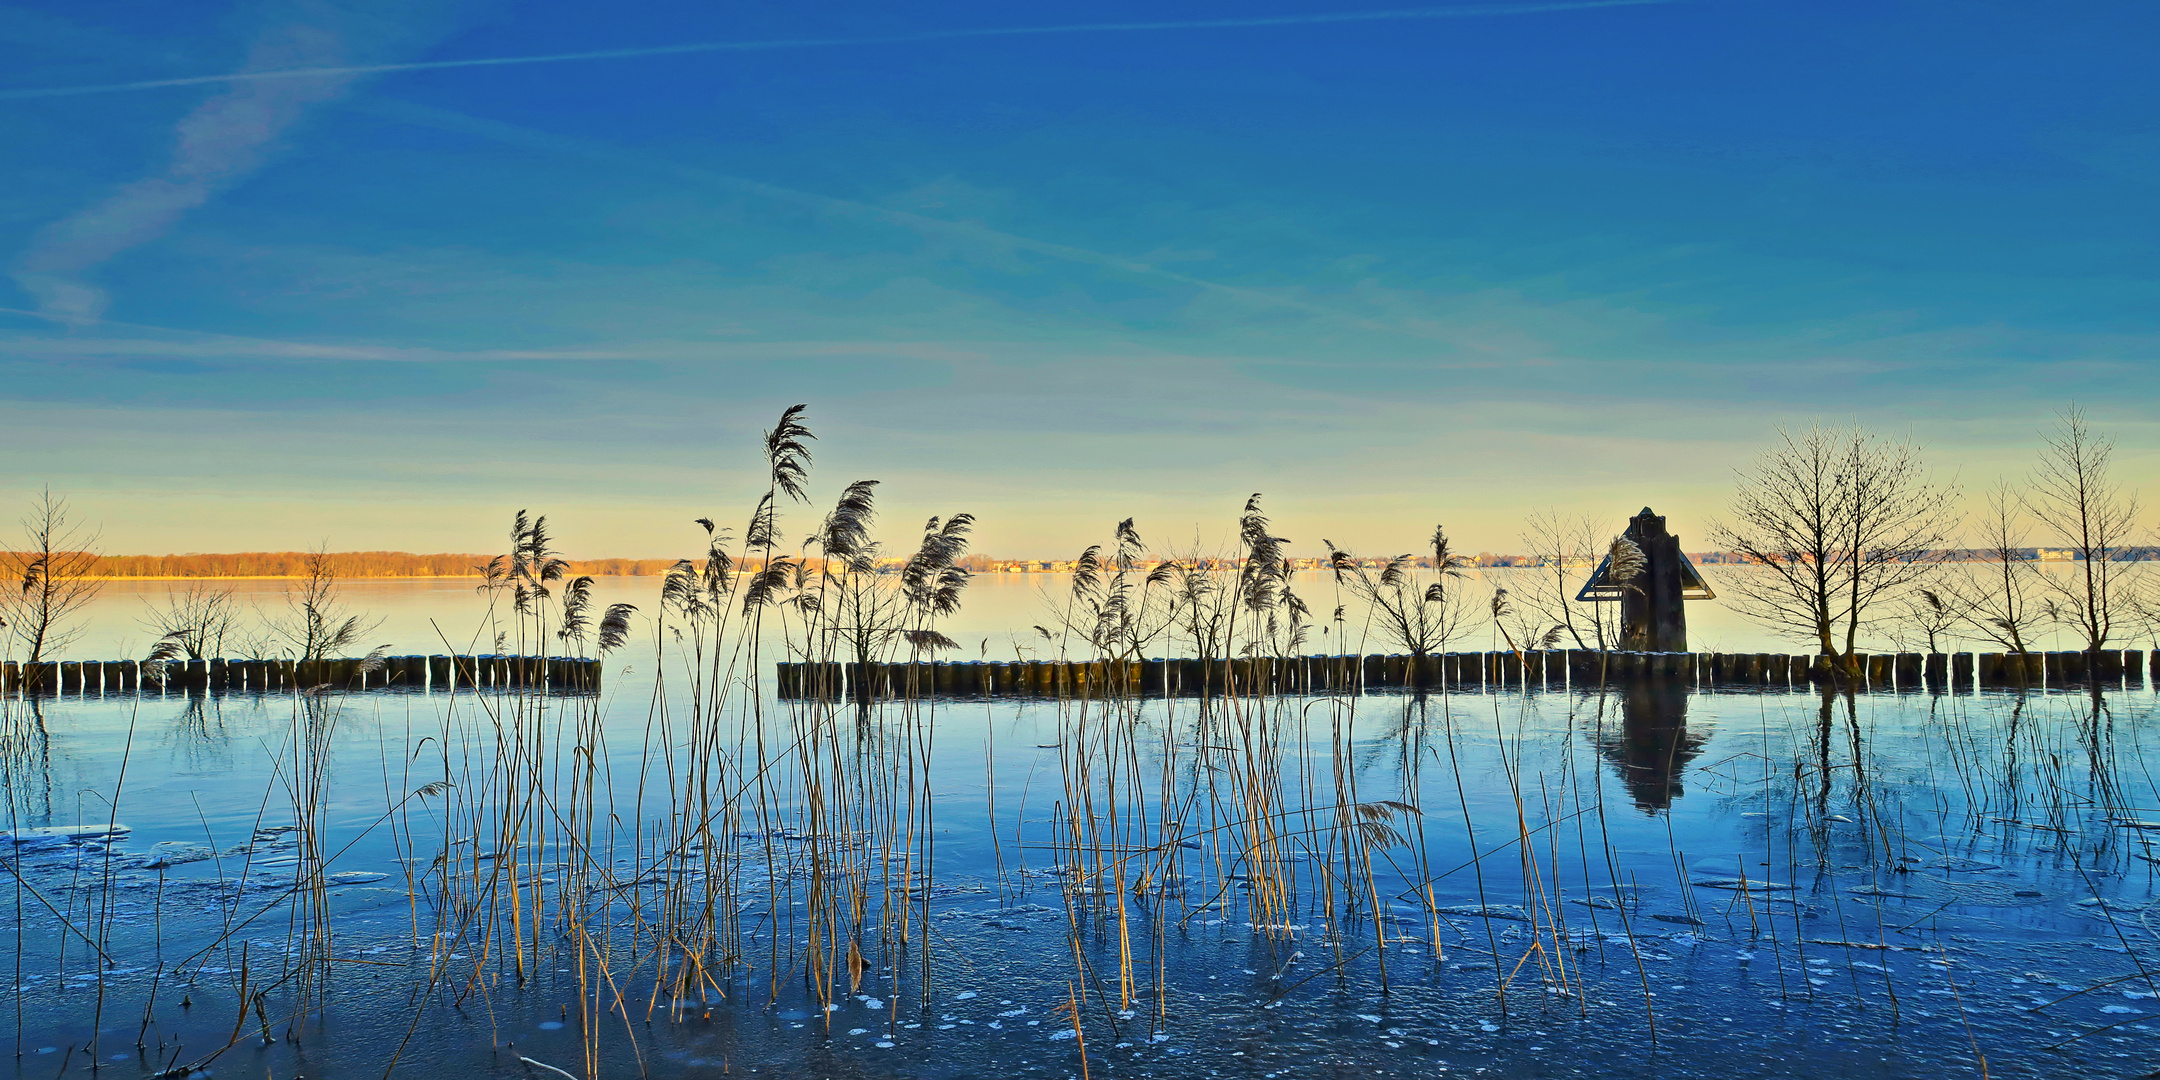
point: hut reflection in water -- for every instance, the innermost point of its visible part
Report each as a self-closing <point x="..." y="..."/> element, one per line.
<point x="1652" y="744"/>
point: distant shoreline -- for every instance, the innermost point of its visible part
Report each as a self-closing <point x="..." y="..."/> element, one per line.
<point x="406" y="566"/>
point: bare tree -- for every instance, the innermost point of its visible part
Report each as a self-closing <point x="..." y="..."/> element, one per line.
<point x="1925" y="617"/>
<point x="1837" y="521"/>
<point x="2075" y="498"/>
<point x="316" y="625"/>
<point x="52" y="580"/>
<point x="1995" y="600"/>
<point x="1566" y="549"/>
<point x="193" y="623"/>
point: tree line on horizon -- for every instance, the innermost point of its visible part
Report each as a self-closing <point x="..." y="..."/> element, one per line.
<point x="350" y="564"/>
<point x="1848" y="526"/>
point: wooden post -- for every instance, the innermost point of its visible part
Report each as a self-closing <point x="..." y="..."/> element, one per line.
<point x="2032" y="668"/>
<point x="1822" y="669"/>
<point x="1907" y="671"/>
<point x="1938" y="671"/>
<point x="2059" y="671"/>
<point x="2108" y="666"/>
<point x="2134" y="667"/>
<point x="1553" y="669"/>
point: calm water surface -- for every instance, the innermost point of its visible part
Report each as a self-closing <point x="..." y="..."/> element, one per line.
<point x="1653" y="881"/>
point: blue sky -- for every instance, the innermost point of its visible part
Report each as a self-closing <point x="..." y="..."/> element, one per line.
<point x="1052" y="266"/>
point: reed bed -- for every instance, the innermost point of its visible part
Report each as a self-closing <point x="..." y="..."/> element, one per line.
<point x="647" y="865"/>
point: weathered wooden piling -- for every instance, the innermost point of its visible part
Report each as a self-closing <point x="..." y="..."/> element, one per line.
<point x="2034" y="668"/>
<point x="2056" y="671"/>
<point x="1907" y="670"/>
<point x="40" y="678"/>
<point x="1342" y="674"/>
<point x="2108" y="666"/>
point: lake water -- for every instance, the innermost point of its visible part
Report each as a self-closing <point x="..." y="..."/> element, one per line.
<point x="677" y="879"/>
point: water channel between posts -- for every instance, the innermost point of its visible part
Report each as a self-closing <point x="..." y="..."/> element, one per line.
<point x="684" y="875"/>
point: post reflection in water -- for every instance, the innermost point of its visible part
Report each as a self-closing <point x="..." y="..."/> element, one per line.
<point x="1653" y="743"/>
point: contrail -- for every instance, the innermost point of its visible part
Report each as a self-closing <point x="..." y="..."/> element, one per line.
<point x="1464" y="11"/>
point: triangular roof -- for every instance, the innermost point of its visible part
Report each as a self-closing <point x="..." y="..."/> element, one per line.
<point x="1598" y="589"/>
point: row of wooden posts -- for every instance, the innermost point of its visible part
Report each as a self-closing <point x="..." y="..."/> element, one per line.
<point x="1939" y="672"/>
<point x="559" y="674"/>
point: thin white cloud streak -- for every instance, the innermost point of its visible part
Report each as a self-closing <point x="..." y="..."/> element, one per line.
<point x="692" y="48"/>
<point x="219" y="142"/>
<point x="987" y="238"/>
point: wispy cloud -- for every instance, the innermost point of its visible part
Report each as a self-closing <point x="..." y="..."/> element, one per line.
<point x="217" y="144"/>
<point x="305" y="71"/>
<point x="983" y="241"/>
